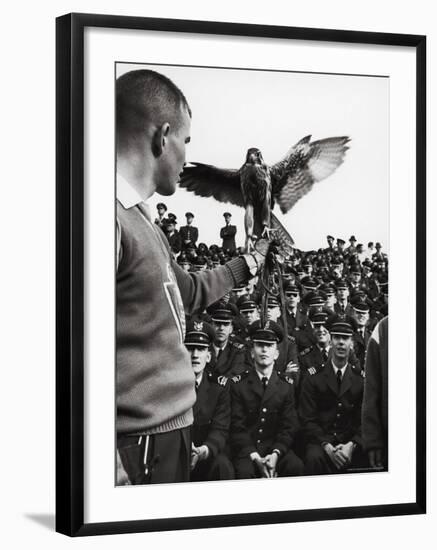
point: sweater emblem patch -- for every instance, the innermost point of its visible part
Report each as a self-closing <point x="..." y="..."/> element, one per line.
<point x="175" y="302"/>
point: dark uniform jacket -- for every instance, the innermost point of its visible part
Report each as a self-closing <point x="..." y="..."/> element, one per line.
<point x="347" y="311"/>
<point x="311" y="361"/>
<point x="188" y="232"/>
<point x="212" y="414"/>
<point x="232" y="360"/>
<point x="227" y="233"/>
<point x="360" y="345"/>
<point x="329" y="415"/>
<point x="262" y="420"/>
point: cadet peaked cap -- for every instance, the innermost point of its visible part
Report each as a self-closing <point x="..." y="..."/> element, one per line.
<point x="161" y="205"/>
<point x="227" y="214"/>
<point x="341" y="241"/>
<point x="341" y="328"/>
<point x="267" y="333"/>
<point x="221" y="312"/>
<point x="199" y="260"/>
<point x="309" y="282"/>
<point x="199" y="333"/>
<point x="330" y="237"/>
<point x="316" y="300"/>
<point x="327" y="289"/>
<point x="246" y="303"/>
<point x="341" y="284"/>
<point x="361" y="307"/>
<point x="291" y="288"/>
<point x="171" y="216"/>
<point x="189" y="215"/>
<point x="319" y="318"/>
<point x="272" y="301"/>
<point x="352" y="238"/>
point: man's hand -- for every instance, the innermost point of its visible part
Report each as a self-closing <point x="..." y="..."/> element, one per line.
<point x="270" y="462"/>
<point x="345" y="450"/>
<point x="198" y="454"/>
<point x="337" y="459"/>
<point x="259" y="463"/>
<point x="375" y="458"/>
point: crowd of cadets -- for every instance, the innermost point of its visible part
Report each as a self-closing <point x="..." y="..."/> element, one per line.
<point x="282" y="398"/>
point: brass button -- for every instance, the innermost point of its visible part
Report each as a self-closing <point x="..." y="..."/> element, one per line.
<point x="263" y="419"/>
<point x="264" y="410"/>
<point x="260" y="431"/>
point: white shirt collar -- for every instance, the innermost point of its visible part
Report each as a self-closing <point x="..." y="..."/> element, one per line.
<point x="267" y="373"/>
<point x="126" y="194"/>
<point x="337" y="369"/>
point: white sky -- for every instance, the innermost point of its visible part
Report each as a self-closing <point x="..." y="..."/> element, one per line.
<point x="237" y="109"/>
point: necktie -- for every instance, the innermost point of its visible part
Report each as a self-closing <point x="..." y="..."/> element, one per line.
<point x="219" y="353"/>
<point x="197" y="386"/>
<point x="264" y="381"/>
<point x="338" y="379"/>
<point x="325" y="354"/>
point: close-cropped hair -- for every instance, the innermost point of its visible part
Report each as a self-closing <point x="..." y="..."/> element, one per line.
<point x="146" y="97"/>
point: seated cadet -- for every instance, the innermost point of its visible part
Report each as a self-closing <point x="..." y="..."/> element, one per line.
<point x="264" y="421"/>
<point x="330" y="408"/>
<point x="287" y="360"/>
<point x="212" y="410"/>
<point x="228" y="357"/>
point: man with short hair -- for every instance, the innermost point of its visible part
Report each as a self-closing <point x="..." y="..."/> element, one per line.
<point x="264" y="422"/>
<point x="154" y="378"/>
<point x="212" y="410"/>
<point x="342" y="306"/>
<point x="330" y="408"/>
<point x="227" y="234"/>
<point x="188" y="233"/>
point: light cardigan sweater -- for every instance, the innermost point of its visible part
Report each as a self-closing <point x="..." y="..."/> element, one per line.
<point x="155" y="380"/>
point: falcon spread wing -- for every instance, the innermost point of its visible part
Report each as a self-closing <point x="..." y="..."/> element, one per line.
<point x="209" y="181"/>
<point x="305" y="164"/>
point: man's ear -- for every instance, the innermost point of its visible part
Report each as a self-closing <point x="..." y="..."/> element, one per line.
<point x="159" y="139"/>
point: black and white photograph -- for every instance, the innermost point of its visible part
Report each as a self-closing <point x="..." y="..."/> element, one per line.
<point x="252" y="273"/>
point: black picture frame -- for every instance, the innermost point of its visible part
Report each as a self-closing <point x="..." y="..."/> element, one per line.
<point x="70" y="272"/>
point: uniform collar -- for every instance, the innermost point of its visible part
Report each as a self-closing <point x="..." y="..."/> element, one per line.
<point x="126" y="194"/>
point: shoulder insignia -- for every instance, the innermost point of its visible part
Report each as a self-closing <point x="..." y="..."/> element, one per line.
<point x="238" y="377"/>
<point x="305" y="351"/>
<point x="291" y="338"/>
<point x="283" y="376"/>
<point x="222" y="380"/>
<point x="312" y="370"/>
<point x="237" y="345"/>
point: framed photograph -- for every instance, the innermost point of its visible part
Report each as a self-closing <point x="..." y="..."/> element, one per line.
<point x="240" y="215"/>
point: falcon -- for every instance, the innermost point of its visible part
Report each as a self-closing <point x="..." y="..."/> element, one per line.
<point x="257" y="186"/>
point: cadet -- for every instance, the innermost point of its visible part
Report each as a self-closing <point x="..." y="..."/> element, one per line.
<point x="362" y="333"/>
<point x="330" y="408"/>
<point x="314" y="358"/>
<point x="227" y="234"/>
<point x="342" y="306"/>
<point x="264" y="421"/>
<point x="188" y="233"/>
<point x="287" y="360"/>
<point x="212" y="410"/>
<point x="229" y="357"/>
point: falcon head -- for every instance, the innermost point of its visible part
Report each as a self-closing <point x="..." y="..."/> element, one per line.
<point x="254" y="156"/>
